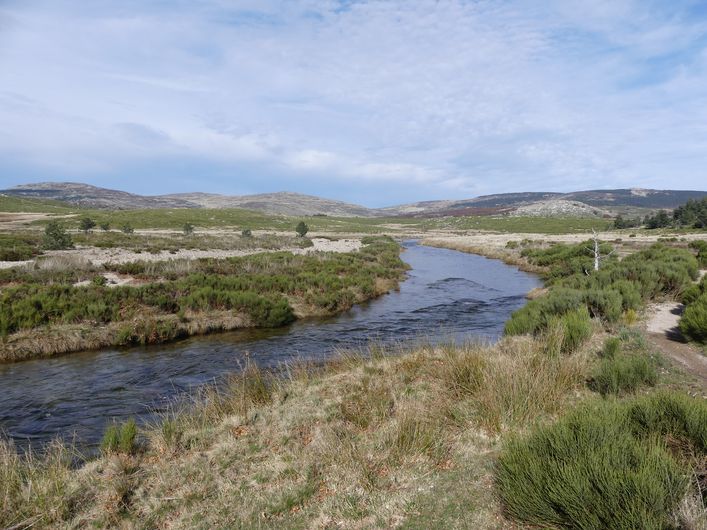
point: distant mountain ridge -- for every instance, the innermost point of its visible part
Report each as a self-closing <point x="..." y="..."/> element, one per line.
<point x="282" y="203"/>
<point x="93" y="197"/>
<point x="579" y="203"/>
<point x="605" y="201"/>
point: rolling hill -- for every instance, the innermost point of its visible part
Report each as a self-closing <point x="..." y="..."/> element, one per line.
<point x="591" y="203"/>
<point x="283" y="203"/>
<point x="605" y="202"/>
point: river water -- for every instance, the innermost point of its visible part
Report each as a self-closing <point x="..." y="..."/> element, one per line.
<point x="448" y="295"/>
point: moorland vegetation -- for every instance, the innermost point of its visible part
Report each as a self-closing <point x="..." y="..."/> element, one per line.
<point x="571" y="420"/>
<point x="263" y="290"/>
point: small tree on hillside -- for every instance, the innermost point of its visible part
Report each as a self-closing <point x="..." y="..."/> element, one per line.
<point x="659" y="220"/>
<point x="246" y="232"/>
<point x="127" y="228"/>
<point x="86" y="225"/>
<point x="188" y="229"/>
<point x="56" y="237"/>
<point x="105" y="226"/>
<point x="302" y="229"/>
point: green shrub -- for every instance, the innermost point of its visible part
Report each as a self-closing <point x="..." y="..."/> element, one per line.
<point x="603" y="466"/>
<point x="618" y="289"/>
<point x="301" y="229"/>
<point x="577" y="329"/>
<point x="693" y="323"/>
<point x="18" y="247"/>
<point x="671" y="414"/>
<point x="604" y="303"/>
<point x="612" y="346"/>
<point x="521" y="322"/>
<point x="56" y="237"/>
<point x="701" y="248"/>
<point x="536" y="314"/>
<point x="247" y="232"/>
<point x="630" y="294"/>
<point x="120" y="438"/>
<point x="691" y="294"/>
<point x="188" y="229"/>
<point x="86" y="224"/>
<point x="623" y="374"/>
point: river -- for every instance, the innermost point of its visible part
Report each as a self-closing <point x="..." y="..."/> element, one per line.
<point x="448" y="295"/>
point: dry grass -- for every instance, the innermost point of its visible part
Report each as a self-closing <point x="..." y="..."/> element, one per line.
<point x="508" y="256"/>
<point x="63" y="262"/>
<point x="360" y="442"/>
<point x="59" y="339"/>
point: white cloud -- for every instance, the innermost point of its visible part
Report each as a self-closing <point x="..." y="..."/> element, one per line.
<point x="453" y="97"/>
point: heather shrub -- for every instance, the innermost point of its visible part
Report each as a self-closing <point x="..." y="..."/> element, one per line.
<point x="623" y="374"/>
<point x="693" y="324"/>
<point x="612" y="346"/>
<point x="577" y="329"/>
<point x="605" y="465"/>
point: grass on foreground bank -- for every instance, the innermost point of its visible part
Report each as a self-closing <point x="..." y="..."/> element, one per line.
<point x="38" y="309"/>
<point x="432" y="437"/>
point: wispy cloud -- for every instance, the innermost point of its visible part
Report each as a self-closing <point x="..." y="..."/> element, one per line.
<point x="451" y="98"/>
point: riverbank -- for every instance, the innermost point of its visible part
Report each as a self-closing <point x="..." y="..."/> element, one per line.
<point x="62" y="309"/>
<point x="424" y="437"/>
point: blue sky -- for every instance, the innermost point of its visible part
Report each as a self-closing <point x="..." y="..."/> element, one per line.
<point x="375" y="102"/>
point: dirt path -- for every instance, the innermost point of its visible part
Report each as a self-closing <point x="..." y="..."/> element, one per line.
<point x="663" y="332"/>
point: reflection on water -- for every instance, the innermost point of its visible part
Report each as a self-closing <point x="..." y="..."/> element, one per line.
<point x="449" y="295"/>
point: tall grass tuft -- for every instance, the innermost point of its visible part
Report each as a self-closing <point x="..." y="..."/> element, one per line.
<point x="462" y="369"/>
<point x="120" y="438"/>
<point x="367" y="402"/>
<point x="416" y="433"/>
<point x="522" y="382"/>
<point x="37" y="490"/>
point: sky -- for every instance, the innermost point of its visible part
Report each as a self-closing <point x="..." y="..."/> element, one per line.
<point x="373" y="102"/>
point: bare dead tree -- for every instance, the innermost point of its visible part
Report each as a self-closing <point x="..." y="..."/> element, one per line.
<point x="597" y="252"/>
